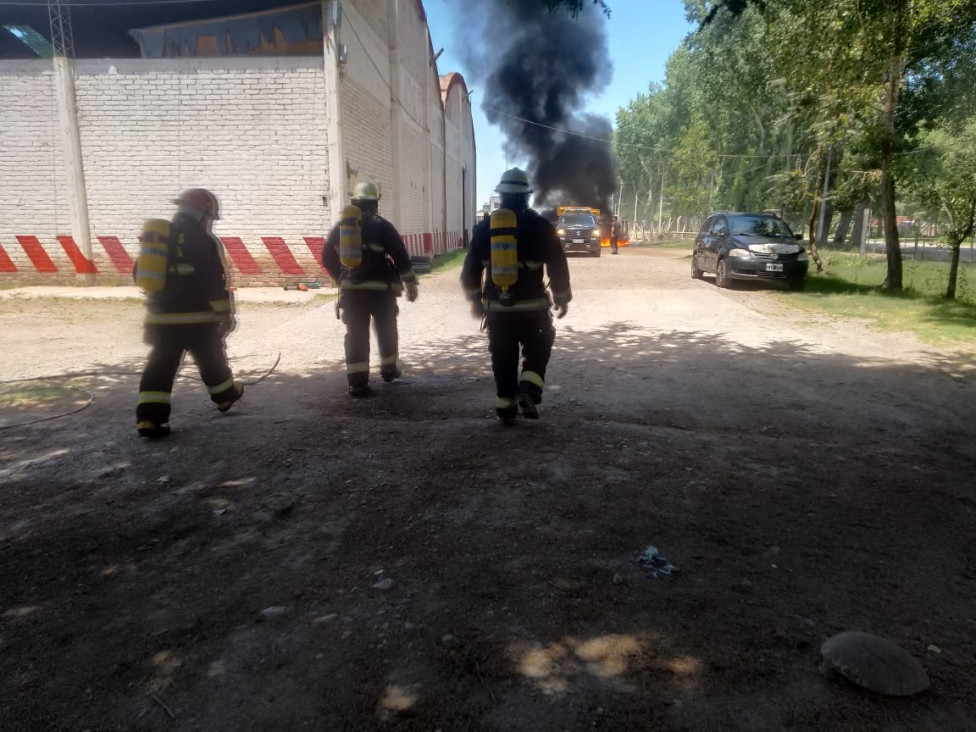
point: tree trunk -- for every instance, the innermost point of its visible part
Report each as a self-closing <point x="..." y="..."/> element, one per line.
<point x="842" y="227"/>
<point x="954" y="246"/>
<point x="892" y="247"/>
<point x="896" y="66"/>
<point x="858" y="234"/>
<point x="958" y="233"/>
<point x="813" y="219"/>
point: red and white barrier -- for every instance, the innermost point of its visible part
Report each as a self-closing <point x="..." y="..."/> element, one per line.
<point x="274" y="260"/>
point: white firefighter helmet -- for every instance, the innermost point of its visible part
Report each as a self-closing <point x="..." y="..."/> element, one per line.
<point x="366" y="191"/>
<point x="514" y="180"/>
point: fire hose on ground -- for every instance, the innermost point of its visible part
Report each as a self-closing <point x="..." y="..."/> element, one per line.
<point x="88" y="396"/>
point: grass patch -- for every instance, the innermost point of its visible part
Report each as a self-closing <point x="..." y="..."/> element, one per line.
<point x="850" y="286"/>
<point x="449" y="260"/>
<point x="32" y="395"/>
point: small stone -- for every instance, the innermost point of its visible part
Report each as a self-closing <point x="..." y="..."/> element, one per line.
<point x="323" y="619"/>
<point x="618" y="579"/>
<point x="745" y="586"/>
<point x="273" y="612"/>
<point x="383" y="584"/>
<point x="934" y="649"/>
<point x="448" y="641"/>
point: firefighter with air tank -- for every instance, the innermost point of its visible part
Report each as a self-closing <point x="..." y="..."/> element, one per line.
<point x="188" y="308"/>
<point x="364" y="253"/>
<point x="503" y="279"/>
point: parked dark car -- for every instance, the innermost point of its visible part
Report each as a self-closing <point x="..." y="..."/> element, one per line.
<point x="579" y="232"/>
<point x="749" y="246"/>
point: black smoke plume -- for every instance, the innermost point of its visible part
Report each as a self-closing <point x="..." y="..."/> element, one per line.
<point x="538" y="68"/>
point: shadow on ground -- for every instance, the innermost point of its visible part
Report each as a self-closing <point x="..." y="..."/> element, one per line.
<point x="405" y="562"/>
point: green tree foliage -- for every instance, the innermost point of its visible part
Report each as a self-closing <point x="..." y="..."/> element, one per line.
<point x="942" y="177"/>
<point x="781" y="92"/>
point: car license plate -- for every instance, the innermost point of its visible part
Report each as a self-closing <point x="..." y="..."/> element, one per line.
<point x="579" y="241"/>
<point x="774" y="267"/>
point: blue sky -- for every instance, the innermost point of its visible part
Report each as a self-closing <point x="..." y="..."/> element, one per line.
<point x="642" y="34"/>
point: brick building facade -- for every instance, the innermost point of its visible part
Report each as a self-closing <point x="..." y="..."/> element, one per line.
<point x="263" y="132"/>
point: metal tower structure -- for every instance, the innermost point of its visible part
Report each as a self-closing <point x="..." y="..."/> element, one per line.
<point x="61" y="36"/>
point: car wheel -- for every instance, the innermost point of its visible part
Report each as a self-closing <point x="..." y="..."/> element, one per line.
<point x="796" y="283"/>
<point x="722" y="278"/>
<point x="597" y="252"/>
<point x="696" y="272"/>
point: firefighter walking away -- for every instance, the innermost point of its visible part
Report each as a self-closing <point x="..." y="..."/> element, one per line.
<point x="503" y="278"/>
<point x="188" y="309"/>
<point x="364" y="253"/>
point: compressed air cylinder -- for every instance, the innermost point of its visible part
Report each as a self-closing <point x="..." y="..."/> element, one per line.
<point x="351" y="237"/>
<point x="153" y="256"/>
<point x="504" y="248"/>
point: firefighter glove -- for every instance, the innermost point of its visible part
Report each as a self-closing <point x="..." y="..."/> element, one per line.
<point x="411" y="291"/>
<point x="477" y="309"/>
<point x="561" y="309"/>
<point x="226" y="323"/>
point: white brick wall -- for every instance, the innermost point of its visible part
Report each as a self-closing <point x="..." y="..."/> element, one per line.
<point x="32" y="188"/>
<point x="366" y="138"/>
<point x="253" y="130"/>
<point x="250" y="130"/>
<point x="413" y="179"/>
<point x="460" y="156"/>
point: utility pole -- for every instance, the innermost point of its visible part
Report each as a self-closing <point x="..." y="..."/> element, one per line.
<point x="64" y="87"/>
<point x="332" y="57"/>
<point x="660" y="203"/>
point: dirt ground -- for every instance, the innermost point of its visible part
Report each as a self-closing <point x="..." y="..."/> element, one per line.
<point x="405" y="562"/>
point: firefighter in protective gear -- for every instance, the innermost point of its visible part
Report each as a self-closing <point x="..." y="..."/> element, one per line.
<point x="503" y="279"/>
<point x="192" y="312"/>
<point x="365" y="255"/>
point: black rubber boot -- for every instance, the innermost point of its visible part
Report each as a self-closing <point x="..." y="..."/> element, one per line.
<point x="527" y="405"/>
<point x="151" y="430"/>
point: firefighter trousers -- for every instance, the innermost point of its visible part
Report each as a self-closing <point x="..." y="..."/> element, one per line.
<point x="358" y="308"/>
<point x="533" y="331"/>
<point x="170" y="343"/>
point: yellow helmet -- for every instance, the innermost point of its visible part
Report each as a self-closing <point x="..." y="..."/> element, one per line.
<point x="366" y="191"/>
